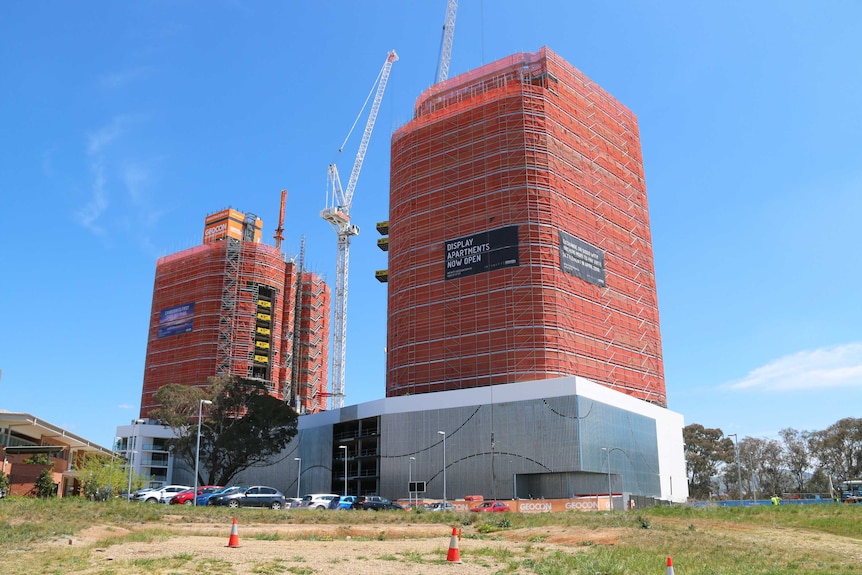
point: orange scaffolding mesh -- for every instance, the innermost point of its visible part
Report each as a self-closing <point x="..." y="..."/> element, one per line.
<point x="528" y="142"/>
<point x="260" y="319"/>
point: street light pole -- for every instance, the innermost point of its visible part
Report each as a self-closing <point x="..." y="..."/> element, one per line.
<point x="132" y="454"/>
<point x="610" y="492"/>
<point x="298" y="476"/>
<point x="443" y="433"/>
<point x="410" y="481"/>
<point x="738" y="468"/>
<point x="344" y="447"/>
<point x="198" y="448"/>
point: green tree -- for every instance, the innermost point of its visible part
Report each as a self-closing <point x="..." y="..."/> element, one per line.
<point x="37" y="459"/>
<point x="45" y="486"/>
<point x="705" y="451"/>
<point x="243" y="427"/>
<point x="838" y="448"/>
<point x="797" y="456"/>
<point x="767" y="459"/>
<point x="102" y="476"/>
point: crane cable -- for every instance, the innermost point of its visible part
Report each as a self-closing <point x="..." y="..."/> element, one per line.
<point x="362" y="110"/>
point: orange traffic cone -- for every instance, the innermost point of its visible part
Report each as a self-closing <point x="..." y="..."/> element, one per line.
<point x="234" y="535"/>
<point x="669" y="566"/>
<point x="454" y="555"/>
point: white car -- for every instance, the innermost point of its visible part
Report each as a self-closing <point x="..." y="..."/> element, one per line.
<point x="160" y="494"/>
<point x="317" y="500"/>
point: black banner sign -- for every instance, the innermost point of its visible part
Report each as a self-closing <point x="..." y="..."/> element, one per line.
<point x="582" y="260"/>
<point x="482" y="252"/>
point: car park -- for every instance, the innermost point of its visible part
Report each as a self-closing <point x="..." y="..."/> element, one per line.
<point x="187" y="497"/>
<point x="317" y="500"/>
<point x="491" y="507"/>
<point x="254" y="496"/>
<point x="374" y="503"/>
<point x="160" y="494"/>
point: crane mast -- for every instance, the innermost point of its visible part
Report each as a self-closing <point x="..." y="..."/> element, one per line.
<point x="279" y="231"/>
<point x="337" y="213"/>
<point x="448" y="37"/>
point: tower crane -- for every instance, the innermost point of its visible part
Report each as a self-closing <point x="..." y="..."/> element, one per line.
<point x="337" y="213"/>
<point x="446" y="44"/>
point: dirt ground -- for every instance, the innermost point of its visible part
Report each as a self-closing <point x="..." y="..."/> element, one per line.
<point x="338" y="549"/>
<point x="393" y="549"/>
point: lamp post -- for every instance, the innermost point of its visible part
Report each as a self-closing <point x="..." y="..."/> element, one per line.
<point x="738" y="469"/>
<point x="132" y="455"/>
<point x="443" y="433"/>
<point x="610" y="492"/>
<point x="344" y="447"/>
<point x="298" y="475"/>
<point x="198" y="448"/>
<point x="410" y="481"/>
<point x="610" y="450"/>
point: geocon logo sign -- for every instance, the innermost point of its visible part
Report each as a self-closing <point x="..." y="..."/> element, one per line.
<point x="535" y="507"/>
<point x="560" y="505"/>
<point x="582" y="505"/>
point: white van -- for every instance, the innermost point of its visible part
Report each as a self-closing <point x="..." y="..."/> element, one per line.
<point x="317" y="500"/>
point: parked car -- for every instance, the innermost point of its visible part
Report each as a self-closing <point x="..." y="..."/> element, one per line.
<point x="134" y="495"/>
<point x="441" y="506"/>
<point x="203" y="498"/>
<point x="293" y="502"/>
<point x="317" y="500"/>
<point x="188" y="498"/>
<point x="160" y="494"/>
<point x="342" y="502"/>
<point x="254" y="496"/>
<point x="374" y="503"/>
<point x="491" y="507"/>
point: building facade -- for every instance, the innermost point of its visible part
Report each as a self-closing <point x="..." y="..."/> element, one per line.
<point x="235" y="306"/>
<point x="550" y="439"/>
<point x="30" y="445"/>
<point x="519" y="237"/>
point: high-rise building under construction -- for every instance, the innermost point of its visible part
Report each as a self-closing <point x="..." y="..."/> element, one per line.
<point x="520" y="245"/>
<point x="235" y="306"/>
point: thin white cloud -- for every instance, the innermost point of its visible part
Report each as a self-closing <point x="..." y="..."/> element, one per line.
<point x="88" y="215"/>
<point x="126" y="406"/>
<point x="825" y="368"/>
<point x="135" y="177"/>
<point x="98" y="143"/>
<point x="138" y="176"/>
<point x="101" y="138"/>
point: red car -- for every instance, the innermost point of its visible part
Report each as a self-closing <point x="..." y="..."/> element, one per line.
<point x="186" y="498"/>
<point x="491" y="507"/>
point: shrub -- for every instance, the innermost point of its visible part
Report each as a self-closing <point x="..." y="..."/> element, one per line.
<point x="45" y="486"/>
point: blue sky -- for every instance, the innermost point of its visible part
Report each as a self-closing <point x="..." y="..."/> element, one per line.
<point x="123" y="124"/>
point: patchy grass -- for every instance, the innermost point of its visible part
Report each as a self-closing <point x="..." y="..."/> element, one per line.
<point x="783" y="540"/>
